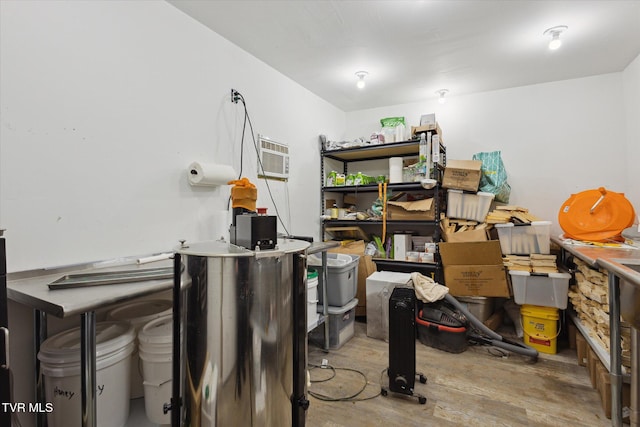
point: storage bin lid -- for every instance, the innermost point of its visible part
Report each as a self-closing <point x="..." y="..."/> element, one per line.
<point x="558" y="275"/>
<point x="531" y="224"/>
<point x="140" y="310"/>
<point x="64" y="347"/>
<point x="334" y="260"/>
<point x="158" y="331"/>
<point x="341" y="310"/>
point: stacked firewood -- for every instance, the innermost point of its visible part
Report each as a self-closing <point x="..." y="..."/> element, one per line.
<point x="590" y="299"/>
<point x="515" y="214"/>
<point x="533" y="263"/>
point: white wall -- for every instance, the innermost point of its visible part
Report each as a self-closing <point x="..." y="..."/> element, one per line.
<point x="631" y="90"/>
<point x="104" y="104"/>
<point x="556" y="139"/>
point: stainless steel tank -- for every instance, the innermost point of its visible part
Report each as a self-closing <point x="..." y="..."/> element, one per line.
<point x="243" y="359"/>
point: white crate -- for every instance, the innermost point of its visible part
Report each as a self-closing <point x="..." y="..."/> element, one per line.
<point x="547" y="290"/>
<point x="524" y="239"/>
<point x="468" y="205"/>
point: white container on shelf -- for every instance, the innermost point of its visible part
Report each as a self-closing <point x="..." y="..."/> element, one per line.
<point x="524" y="239"/>
<point x="341" y="324"/>
<point x="312" y="297"/>
<point x="156" y="346"/>
<point x="547" y="290"/>
<point x="60" y="362"/>
<point x="473" y="206"/>
<point x="342" y="277"/>
<point x="138" y="313"/>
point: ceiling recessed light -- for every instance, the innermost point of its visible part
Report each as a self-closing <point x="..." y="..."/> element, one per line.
<point x="442" y="93"/>
<point x="555" y="32"/>
<point x="361" y="75"/>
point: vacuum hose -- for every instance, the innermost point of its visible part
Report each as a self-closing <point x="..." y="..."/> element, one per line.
<point x="494" y="339"/>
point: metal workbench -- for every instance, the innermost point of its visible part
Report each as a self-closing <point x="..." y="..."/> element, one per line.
<point x="604" y="257"/>
<point x="31" y="289"/>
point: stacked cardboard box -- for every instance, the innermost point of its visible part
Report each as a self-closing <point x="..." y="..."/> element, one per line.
<point x="600" y="376"/>
<point x="460" y="224"/>
<point x="590" y="299"/>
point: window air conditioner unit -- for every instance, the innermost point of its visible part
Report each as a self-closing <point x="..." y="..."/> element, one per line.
<point x="274" y="159"/>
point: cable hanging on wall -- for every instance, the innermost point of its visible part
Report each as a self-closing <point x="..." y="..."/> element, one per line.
<point x="235" y="97"/>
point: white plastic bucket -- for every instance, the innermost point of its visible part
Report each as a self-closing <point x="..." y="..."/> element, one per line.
<point x="156" y="345"/>
<point x="60" y="363"/>
<point x="312" y="297"/>
<point x="138" y="313"/>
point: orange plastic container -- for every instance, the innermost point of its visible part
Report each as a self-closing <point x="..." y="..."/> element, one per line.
<point x="596" y="215"/>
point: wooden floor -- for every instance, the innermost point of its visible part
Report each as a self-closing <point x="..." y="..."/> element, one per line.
<point x="473" y="388"/>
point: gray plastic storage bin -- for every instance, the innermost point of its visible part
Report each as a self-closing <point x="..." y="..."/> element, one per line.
<point x="480" y="307"/>
<point x="341" y="324"/>
<point x="342" y="277"/>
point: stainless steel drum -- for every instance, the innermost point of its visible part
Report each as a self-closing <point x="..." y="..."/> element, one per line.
<point x="244" y="356"/>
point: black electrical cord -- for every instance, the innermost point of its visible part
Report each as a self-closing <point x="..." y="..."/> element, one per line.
<point x="352" y="397"/>
<point x="238" y="96"/>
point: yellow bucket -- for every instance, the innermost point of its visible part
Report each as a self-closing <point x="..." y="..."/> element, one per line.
<point x="540" y="326"/>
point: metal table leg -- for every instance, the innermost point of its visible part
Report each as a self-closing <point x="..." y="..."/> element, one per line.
<point x="635" y="378"/>
<point x="616" y="350"/>
<point x="88" y="368"/>
<point x="325" y="302"/>
<point x="39" y="335"/>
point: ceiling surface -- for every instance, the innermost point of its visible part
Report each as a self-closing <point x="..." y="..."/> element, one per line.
<point x="411" y="49"/>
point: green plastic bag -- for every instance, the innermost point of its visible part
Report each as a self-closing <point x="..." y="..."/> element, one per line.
<point x="493" y="178"/>
<point x="392" y="121"/>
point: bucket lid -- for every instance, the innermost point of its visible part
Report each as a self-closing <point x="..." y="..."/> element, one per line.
<point x="158" y="331"/>
<point x="139" y="309"/>
<point x="341" y="310"/>
<point x="64" y="347"/>
<point x="312" y="274"/>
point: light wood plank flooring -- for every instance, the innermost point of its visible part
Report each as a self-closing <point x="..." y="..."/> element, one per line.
<point x="473" y="388"/>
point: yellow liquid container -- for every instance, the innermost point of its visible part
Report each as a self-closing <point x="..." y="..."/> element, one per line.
<point x="540" y="325"/>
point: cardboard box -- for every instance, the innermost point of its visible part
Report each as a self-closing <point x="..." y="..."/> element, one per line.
<point x="462" y="174"/>
<point x="428" y="119"/>
<point x="604" y="387"/>
<point x="474" y="269"/>
<point x="433" y="128"/>
<point x="415" y="210"/>
<point x="402" y="244"/>
<point x="592" y="366"/>
<point x="466" y="236"/>
<point x="581" y="349"/>
<point x="329" y="203"/>
<point x="366" y="267"/>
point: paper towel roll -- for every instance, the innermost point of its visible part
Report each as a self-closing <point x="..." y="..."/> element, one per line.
<point x="209" y="174"/>
<point x="395" y="169"/>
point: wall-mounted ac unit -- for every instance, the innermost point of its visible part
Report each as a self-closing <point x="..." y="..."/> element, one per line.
<point x="274" y="159"/>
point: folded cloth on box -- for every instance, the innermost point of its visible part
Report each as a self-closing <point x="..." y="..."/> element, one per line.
<point x="426" y="289"/>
